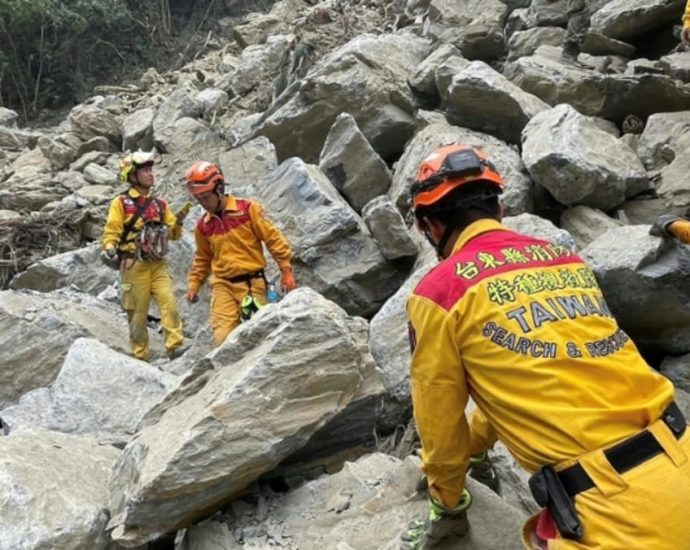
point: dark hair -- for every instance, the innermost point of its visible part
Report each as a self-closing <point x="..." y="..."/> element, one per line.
<point x="465" y="205"/>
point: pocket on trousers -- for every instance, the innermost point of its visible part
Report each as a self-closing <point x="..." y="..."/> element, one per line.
<point x="128" y="302"/>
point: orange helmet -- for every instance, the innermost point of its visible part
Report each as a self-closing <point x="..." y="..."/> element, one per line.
<point x="449" y="168"/>
<point x="202" y="177"/>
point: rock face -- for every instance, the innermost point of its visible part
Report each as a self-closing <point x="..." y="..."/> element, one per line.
<point x="351" y="164"/>
<point x="388" y="229"/>
<point x="275" y="385"/>
<point x="577" y="162"/>
<point x="644" y="287"/>
<point x="482" y="99"/>
<point x="677" y="369"/>
<point x="665" y="137"/>
<point x="53" y="491"/>
<point x="332" y="249"/>
<point x="366" y="78"/>
<point x="99" y="393"/>
<point x="534" y="226"/>
<point x="585" y="224"/>
<point x="47" y="324"/>
<point x="630" y="19"/>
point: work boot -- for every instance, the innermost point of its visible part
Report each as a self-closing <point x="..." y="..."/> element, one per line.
<point x="483" y="471"/>
<point x="177" y="352"/>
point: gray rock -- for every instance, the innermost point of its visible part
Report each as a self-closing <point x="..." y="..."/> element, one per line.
<point x="97" y="157"/>
<point x="598" y="44"/>
<point x="8" y="117"/>
<point x="534" y="226"/>
<point x="209" y="535"/>
<point x="99" y="393"/>
<point x="137" y="130"/>
<point x="518" y="20"/>
<point x="13" y="139"/>
<point x="53" y="491"/>
<point x="95" y="194"/>
<point x="88" y="121"/>
<point x="423" y="79"/>
<point x="585" y="224"/>
<point x="59" y="154"/>
<point x="388" y="229"/>
<point x="611" y="96"/>
<point x="631" y="19"/>
<point x="641" y="211"/>
<point x="577" y="162"/>
<point x="665" y="135"/>
<point x="644" y="287"/>
<point x="213" y="102"/>
<point x="516" y="198"/>
<point x="99" y="143"/>
<point x="352" y="165"/>
<point x="677" y="65"/>
<point x="248" y="163"/>
<point x="673" y="185"/>
<point x="46" y="325"/>
<point x="332" y="249"/>
<point x="189" y="134"/>
<point x="389" y="339"/>
<point x="99" y="175"/>
<point x="545" y="13"/>
<point x="480" y="20"/>
<point x="10" y="216"/>
<point x="524" y="43"/>
<point x="31" y="185"/>
<point x="481" y="99"/>
<point x="255" y="28"/>
<point x="275" y="385"/>
<point x="367" y="77"/>
<point x="180" y="104"/>
<point x="370" y="502"/>
<point x="677" y="369"/>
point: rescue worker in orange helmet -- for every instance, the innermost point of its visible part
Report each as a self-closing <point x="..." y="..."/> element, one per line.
<point x="229" y="247"/>
<point x="670" y="225"/>
<point x="135" y="241"/>
<point x="521" y="326"/>
<point x="685" y="33"/>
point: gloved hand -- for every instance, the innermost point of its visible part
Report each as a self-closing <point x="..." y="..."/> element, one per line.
<point x="182" y="212"/>
<point x="685" y="36"/>
<point x="658" y="229"/>
<point x="192" y="296"/>
<point x="109" y="257"/>
<point x="441" y="523"/>
<point x="287" y="281"/>
<point x="483" y="471"/>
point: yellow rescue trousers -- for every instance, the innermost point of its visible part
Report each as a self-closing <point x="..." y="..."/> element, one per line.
<point x="226" y="297"/>
<point x="645" y="508"/>
<point x="142" y="281"/>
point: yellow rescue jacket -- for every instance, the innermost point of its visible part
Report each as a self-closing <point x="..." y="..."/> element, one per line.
<point x="521" y="325"/>
<point x="231" y="245"/>
<point x="123" y="208"/>
<point x="686" y="15"/>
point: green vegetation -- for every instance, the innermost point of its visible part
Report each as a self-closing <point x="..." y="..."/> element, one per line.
<point x="50" y="50"/>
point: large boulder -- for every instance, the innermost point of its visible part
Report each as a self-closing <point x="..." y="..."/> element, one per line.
<point x="388" y="229"/>
<point x="673" y="185"/>
<point x="275" y="385"/>
<point x="38" y="329"/>
<point x="366" y="506"/>
<point x="481" y="99"/>
<point x="534" y="226"/>
<point x="611" y="96"/>
<point x="632" y="19"/>
<point x="516" y="198"/>
<point x="579" y="163"/>
<point x="181" y="103"/>
<point x="8" y="117"/>
<point x="423" y="79"/>
<point x="31" y="184"/>
<point x="352" y="165"/>
<point x="333" y="251"/>
<point x="53" y="491"/>
<point x="664" y="137"/>
<point x="137" y="129"/>
<point x="473" y="26"/>
<point x="677" y="369"/>
<point x="99" y="392"/>
<point x="524" y="43"/>
<point x="88" y="120"/>
<point x="248" y="163"/>
<point x="585" y="224"/>
<point x="367" y="77"/>
<point x="644" y="286"/>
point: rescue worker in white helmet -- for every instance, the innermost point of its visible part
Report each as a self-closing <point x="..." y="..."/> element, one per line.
<point x="229" y="247"/>
<point x="135" y="241"/>
<point x="521" y="326"/>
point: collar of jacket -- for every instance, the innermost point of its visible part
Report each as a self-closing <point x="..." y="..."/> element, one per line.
<point x="134" y="194"/>
<point x="475" y="229"/>
<point x="230" y="204"/>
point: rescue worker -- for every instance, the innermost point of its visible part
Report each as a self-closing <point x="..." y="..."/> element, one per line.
<point x="229" y="247"/>
<point x="135" y="240"/>
<point x="521" y="326"/>
<point x="669" y="225"/>
<point x="578" y="25"/>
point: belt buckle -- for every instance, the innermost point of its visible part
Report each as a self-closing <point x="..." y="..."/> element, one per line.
<point x="674" y="419"/>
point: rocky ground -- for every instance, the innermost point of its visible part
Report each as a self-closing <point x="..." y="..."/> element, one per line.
<point x="322" y="112"/>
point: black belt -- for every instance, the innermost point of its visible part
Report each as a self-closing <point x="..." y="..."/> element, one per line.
<point x="627" y="454"/>
<point x="246" y="277"/>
